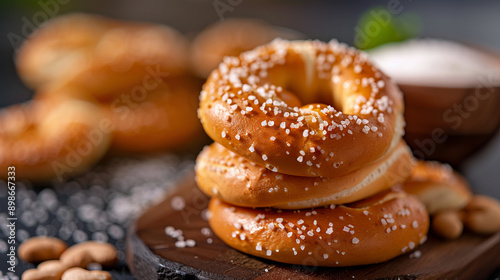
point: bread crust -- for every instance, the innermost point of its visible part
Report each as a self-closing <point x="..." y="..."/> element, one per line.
<point x="98" y="54"/>
<point x="438" y="186"/>
<point x="43" y="141"/>
<point x="370" y="231"/>
<point x="236" y="180"/>
<point x="303" y="108"/>
<point x="230" y="38"/>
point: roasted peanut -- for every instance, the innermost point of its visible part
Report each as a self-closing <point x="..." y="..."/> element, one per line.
<point x="80" y="255"/>
<point x="77" y="273"/>
<point x="448" y="224"/>
<point x="41" y="248"/>
<point x="35" y="274"/>
<point x="482" y="215"/>
<point x="53" y="265"/>
<point x="48" y="270"/>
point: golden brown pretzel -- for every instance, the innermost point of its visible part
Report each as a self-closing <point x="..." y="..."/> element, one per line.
<point x="136" y="72"/>
<point x="166" y="119"/>
<point x="230" y="38"/>
<point x="234" y="179"/>
<point x="370" y="231"/>
<point x="438" y="186"/>
<point x="43" y="141"/>
<point x="150" y="120"/>
<point x="303" y="108"/>
<point x="100" y="55"/>
<point x="129" y="55"/>
<point x="60" y="48"/>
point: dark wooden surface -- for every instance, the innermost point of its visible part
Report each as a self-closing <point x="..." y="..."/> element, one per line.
<point x="151" y="254"/>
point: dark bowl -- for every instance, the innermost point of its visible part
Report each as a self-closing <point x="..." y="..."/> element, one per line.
<point x="450" y="124"/>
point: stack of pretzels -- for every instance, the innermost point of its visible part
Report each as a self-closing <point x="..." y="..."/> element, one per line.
<point x="308" y="149"/>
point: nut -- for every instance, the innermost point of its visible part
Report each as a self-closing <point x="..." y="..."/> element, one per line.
<point x="35" y="274"/>
<point x="80" y="255"/>
<point x="77" y="273"/>
<point x="48" y="270"/>
<point x="41" y="248"/>
<point x="53" y="265"/>
<point x="448" y="224"/>
<point x="482" y="215"/>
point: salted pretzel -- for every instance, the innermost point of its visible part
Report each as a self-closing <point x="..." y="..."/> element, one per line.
<point x="236" y="180"/>
<point x="438" y="186"/>
<point x="303" y="108"/>
<point x="369" y="231"/>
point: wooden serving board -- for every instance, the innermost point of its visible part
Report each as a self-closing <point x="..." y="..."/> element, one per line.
<point x="152" y="254"/>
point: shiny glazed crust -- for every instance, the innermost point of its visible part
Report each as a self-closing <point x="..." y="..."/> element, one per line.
<point x="370" y="231"/>
<point x="438" y="186"/>
<point x="236" y="180"/>
<point x="303" y="108"/>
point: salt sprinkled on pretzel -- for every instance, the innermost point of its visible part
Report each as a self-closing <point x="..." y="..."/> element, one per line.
<point x="369" y="231"/>
<point x="303" y="108"/>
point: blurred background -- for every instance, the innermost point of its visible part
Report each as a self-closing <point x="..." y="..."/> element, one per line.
<point x="474" y="23"/>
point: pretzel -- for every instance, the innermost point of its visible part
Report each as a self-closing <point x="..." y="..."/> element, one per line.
<point x="44" y="142"/>
<point x="303" y="108"/>
<point x="100" y="55"/>
<point x="230" y="38"/>
<point x="438" y="186"/>
<point x="369" y="231"/>
<point x="236" y="180"/>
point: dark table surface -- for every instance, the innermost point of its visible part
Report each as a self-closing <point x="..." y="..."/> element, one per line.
<point x="98" y="205"/>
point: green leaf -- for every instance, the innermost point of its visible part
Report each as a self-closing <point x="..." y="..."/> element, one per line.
<point x="379" y="26"/>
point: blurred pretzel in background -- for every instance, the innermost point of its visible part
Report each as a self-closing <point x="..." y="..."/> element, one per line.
<point x="135" y="75"/>
<point x="230" y="38"/>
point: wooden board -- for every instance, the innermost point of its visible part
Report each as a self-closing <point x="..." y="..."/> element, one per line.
<point x="152" y="254"/>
